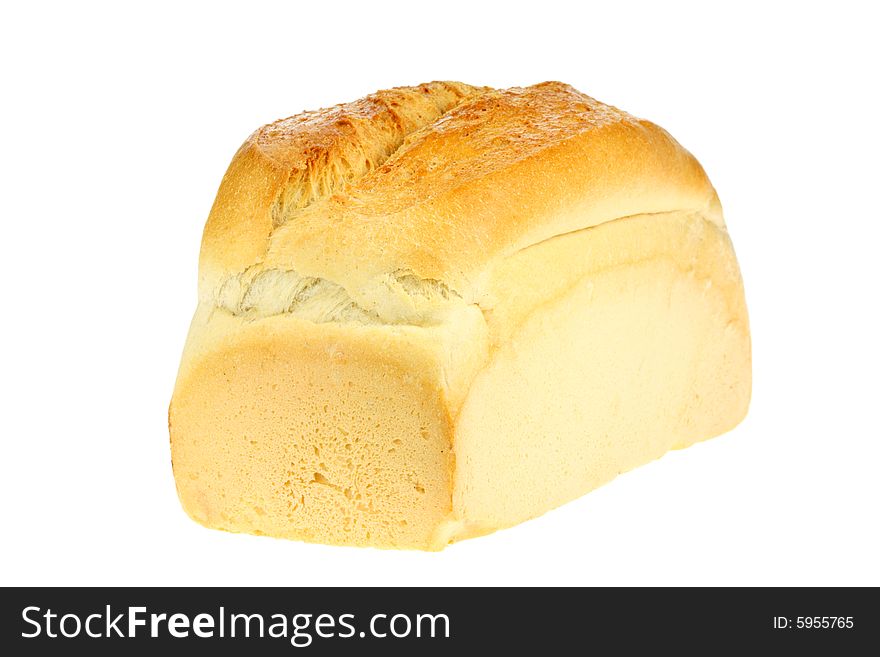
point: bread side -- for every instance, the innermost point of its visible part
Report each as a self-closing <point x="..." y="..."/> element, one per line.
<point x="640" y="345"/>
<point x="314" y="432"/>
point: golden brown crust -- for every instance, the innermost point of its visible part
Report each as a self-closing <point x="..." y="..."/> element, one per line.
<point x="437" y="181"/>
<point x="287" y="165"/>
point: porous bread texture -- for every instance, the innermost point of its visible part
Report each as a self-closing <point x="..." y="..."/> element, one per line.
<point x="442" y="310"/>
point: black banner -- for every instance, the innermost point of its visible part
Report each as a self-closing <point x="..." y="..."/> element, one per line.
<point x="432" y="621"/>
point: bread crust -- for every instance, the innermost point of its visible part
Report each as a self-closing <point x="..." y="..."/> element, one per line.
<point x="437" y="182"/>
<point x="292" y="163"/>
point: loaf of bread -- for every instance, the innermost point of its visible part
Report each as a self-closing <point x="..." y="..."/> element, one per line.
<point x="443" y="310"/>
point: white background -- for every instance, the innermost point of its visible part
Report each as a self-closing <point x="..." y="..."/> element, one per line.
<point x="117" y="125"/>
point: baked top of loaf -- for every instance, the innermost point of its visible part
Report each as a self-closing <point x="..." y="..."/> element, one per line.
<point x="395" y="207"/>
